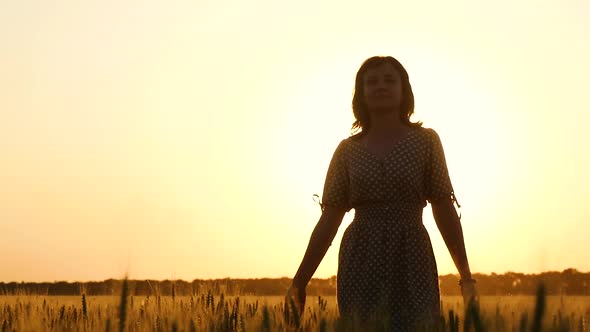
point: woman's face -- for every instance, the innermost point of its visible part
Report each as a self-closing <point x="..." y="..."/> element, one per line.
<point x="382" y="87"/>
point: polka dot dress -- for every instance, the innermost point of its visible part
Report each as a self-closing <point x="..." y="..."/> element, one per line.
<point x="386" y="264"/>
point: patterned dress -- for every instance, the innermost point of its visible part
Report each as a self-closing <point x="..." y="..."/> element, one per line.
<point x="386" y="266"/>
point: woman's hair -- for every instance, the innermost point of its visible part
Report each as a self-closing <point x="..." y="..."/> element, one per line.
<point x="359" y="108"/>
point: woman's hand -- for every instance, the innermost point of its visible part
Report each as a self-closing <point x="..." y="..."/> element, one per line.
<point x="469" y="292"/>
<point x="298" y="296"/>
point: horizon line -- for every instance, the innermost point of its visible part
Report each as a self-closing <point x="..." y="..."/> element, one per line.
<point x="283" y="277"/>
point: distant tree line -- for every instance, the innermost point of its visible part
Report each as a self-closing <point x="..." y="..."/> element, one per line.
<point x="567" y="282"/>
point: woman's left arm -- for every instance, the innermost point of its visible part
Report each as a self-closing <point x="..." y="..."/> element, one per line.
<point x="448" y="224"/>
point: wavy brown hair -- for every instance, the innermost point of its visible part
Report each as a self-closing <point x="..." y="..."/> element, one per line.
<point x="359" y="109"/>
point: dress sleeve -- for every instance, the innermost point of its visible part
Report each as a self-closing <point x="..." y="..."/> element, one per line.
<point x="438" y="182"/>
<point x="336" y="187"/>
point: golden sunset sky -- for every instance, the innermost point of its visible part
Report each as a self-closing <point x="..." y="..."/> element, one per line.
<point x="185" y="139"/>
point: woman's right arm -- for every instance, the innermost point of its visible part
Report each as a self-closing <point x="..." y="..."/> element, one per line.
<point x="321" y="239"/>
<point x="335" y="204"/>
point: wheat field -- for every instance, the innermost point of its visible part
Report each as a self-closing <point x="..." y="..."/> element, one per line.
<point x="206" y="312"/>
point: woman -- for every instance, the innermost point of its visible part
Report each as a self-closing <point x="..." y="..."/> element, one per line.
<point x="387" y="172"/>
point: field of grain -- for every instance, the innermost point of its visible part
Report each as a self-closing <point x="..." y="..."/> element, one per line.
<point x="206" y="312"/>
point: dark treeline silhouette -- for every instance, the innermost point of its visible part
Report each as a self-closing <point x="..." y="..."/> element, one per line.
<point x="567" y="282"/>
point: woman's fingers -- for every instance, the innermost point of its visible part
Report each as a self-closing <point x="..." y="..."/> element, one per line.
<point x="469" y="293"/>
<point x="297" y="297"/>
<point x="301" y="303"/>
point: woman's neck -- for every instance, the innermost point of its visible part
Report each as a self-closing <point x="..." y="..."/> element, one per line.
<point x="385" y="123"/>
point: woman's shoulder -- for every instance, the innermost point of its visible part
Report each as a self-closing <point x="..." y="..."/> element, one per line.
<point x="343" y="146"/>
<point x="428" y="133"/>
<point x="426" y="137"/>
<point x="353" y="138"/>
<point x="347" y="141"/>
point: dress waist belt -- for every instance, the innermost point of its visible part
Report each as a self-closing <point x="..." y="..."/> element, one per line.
<point x="389" y="209"/>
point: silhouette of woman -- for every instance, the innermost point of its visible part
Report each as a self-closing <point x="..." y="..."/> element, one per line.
<point x="387" y="172"/>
